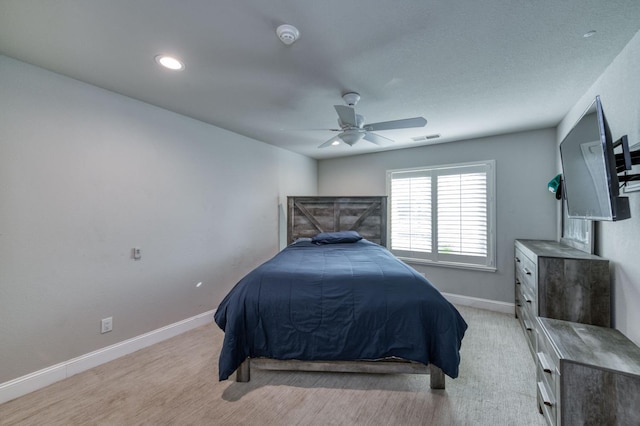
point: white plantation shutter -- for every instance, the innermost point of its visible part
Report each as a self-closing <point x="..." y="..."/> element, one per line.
<point x="443" y="214"/>
<point x="411" y="213"/>
<point x="462" y="214"/>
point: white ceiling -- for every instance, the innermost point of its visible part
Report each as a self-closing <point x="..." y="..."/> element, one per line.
<point x="471" y="68"/>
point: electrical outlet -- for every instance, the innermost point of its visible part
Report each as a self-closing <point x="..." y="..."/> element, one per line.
<point x="107" y="325"/>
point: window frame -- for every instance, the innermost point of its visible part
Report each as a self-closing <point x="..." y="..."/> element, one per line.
<point x="442" y="259"/>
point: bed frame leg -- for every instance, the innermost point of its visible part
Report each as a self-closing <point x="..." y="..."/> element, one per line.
<point x="243" y="373"/>
<point x="437" y="377"/>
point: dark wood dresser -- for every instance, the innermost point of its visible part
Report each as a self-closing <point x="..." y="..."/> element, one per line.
<point x="586" y="375"/>
<point x="557" y="281"/>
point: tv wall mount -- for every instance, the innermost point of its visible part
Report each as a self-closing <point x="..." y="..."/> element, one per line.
<point x="625" y="160"/>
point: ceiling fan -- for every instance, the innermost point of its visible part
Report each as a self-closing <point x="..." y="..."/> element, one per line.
<point x="353" y="128"/>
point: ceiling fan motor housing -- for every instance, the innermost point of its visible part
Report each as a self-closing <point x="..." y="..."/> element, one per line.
<point x="359" y="122"/>
<point x="351" y="98"/>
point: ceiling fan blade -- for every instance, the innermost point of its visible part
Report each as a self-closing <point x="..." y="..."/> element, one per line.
<point x="330" y="142"/>
<point x="316" y="130"/>
<point x="397" y="124"/>
<point x="377" y="139"/>
<point x="347" y="115"/>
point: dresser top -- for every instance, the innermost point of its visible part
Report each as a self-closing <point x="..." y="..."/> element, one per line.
<point x="601" y="347"/>
<point x="548" y="248"/>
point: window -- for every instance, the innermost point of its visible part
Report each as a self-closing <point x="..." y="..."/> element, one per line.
<point x="444" y="214"/>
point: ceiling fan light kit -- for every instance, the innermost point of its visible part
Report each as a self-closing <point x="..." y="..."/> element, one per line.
<point x="350" y="137"/>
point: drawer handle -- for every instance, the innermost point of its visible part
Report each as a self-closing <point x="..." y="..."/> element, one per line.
<point x="527" y="271"/>
<point x="527" y="325"/>
<point x="517" y="259"/>
<point x="517" y="281"/>
<point x="543" y="394"/>
<point x="546" y="367"/>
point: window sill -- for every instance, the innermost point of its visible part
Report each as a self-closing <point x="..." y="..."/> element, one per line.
<point x="454" y="265"/>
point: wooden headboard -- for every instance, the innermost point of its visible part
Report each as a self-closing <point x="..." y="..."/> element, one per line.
<point x="307" y="216"/>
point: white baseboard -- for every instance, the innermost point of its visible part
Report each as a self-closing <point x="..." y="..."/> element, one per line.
<point x="474" y="302"/>
<point x="42" y="378"/>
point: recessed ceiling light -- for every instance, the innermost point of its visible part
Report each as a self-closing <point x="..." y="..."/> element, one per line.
<point x="589" y="34"/>
<point x="334" y="143"/>
<point x="170" y="62"/>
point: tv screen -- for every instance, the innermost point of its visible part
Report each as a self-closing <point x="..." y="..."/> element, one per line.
<point x="589" y="169"/>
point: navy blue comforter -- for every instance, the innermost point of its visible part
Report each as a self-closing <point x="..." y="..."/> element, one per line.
<point x="352" y="301"/>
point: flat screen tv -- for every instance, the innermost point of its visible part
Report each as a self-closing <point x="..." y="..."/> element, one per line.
<point x="590" y="177"/>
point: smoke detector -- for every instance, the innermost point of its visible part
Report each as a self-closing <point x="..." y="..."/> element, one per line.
<point x="287" y="34"/>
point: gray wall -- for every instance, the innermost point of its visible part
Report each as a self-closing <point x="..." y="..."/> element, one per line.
<point x="525" y="162"/>
<point x="85" y="175"/>
<point x="619" y="90"/>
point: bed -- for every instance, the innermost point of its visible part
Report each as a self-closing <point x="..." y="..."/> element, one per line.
<point x="335" y="301"/>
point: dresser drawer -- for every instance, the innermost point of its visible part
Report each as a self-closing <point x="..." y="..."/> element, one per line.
<point x="525" y="271"/>
<point x="527" y="321"/>
<point x="549" y="354"/>
<point x="548" y="375"/>
<point x="547" y="404"/>
<point x="526" y="300"/>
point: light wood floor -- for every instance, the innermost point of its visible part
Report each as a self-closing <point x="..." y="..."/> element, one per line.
<point x="175" y="383"/>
